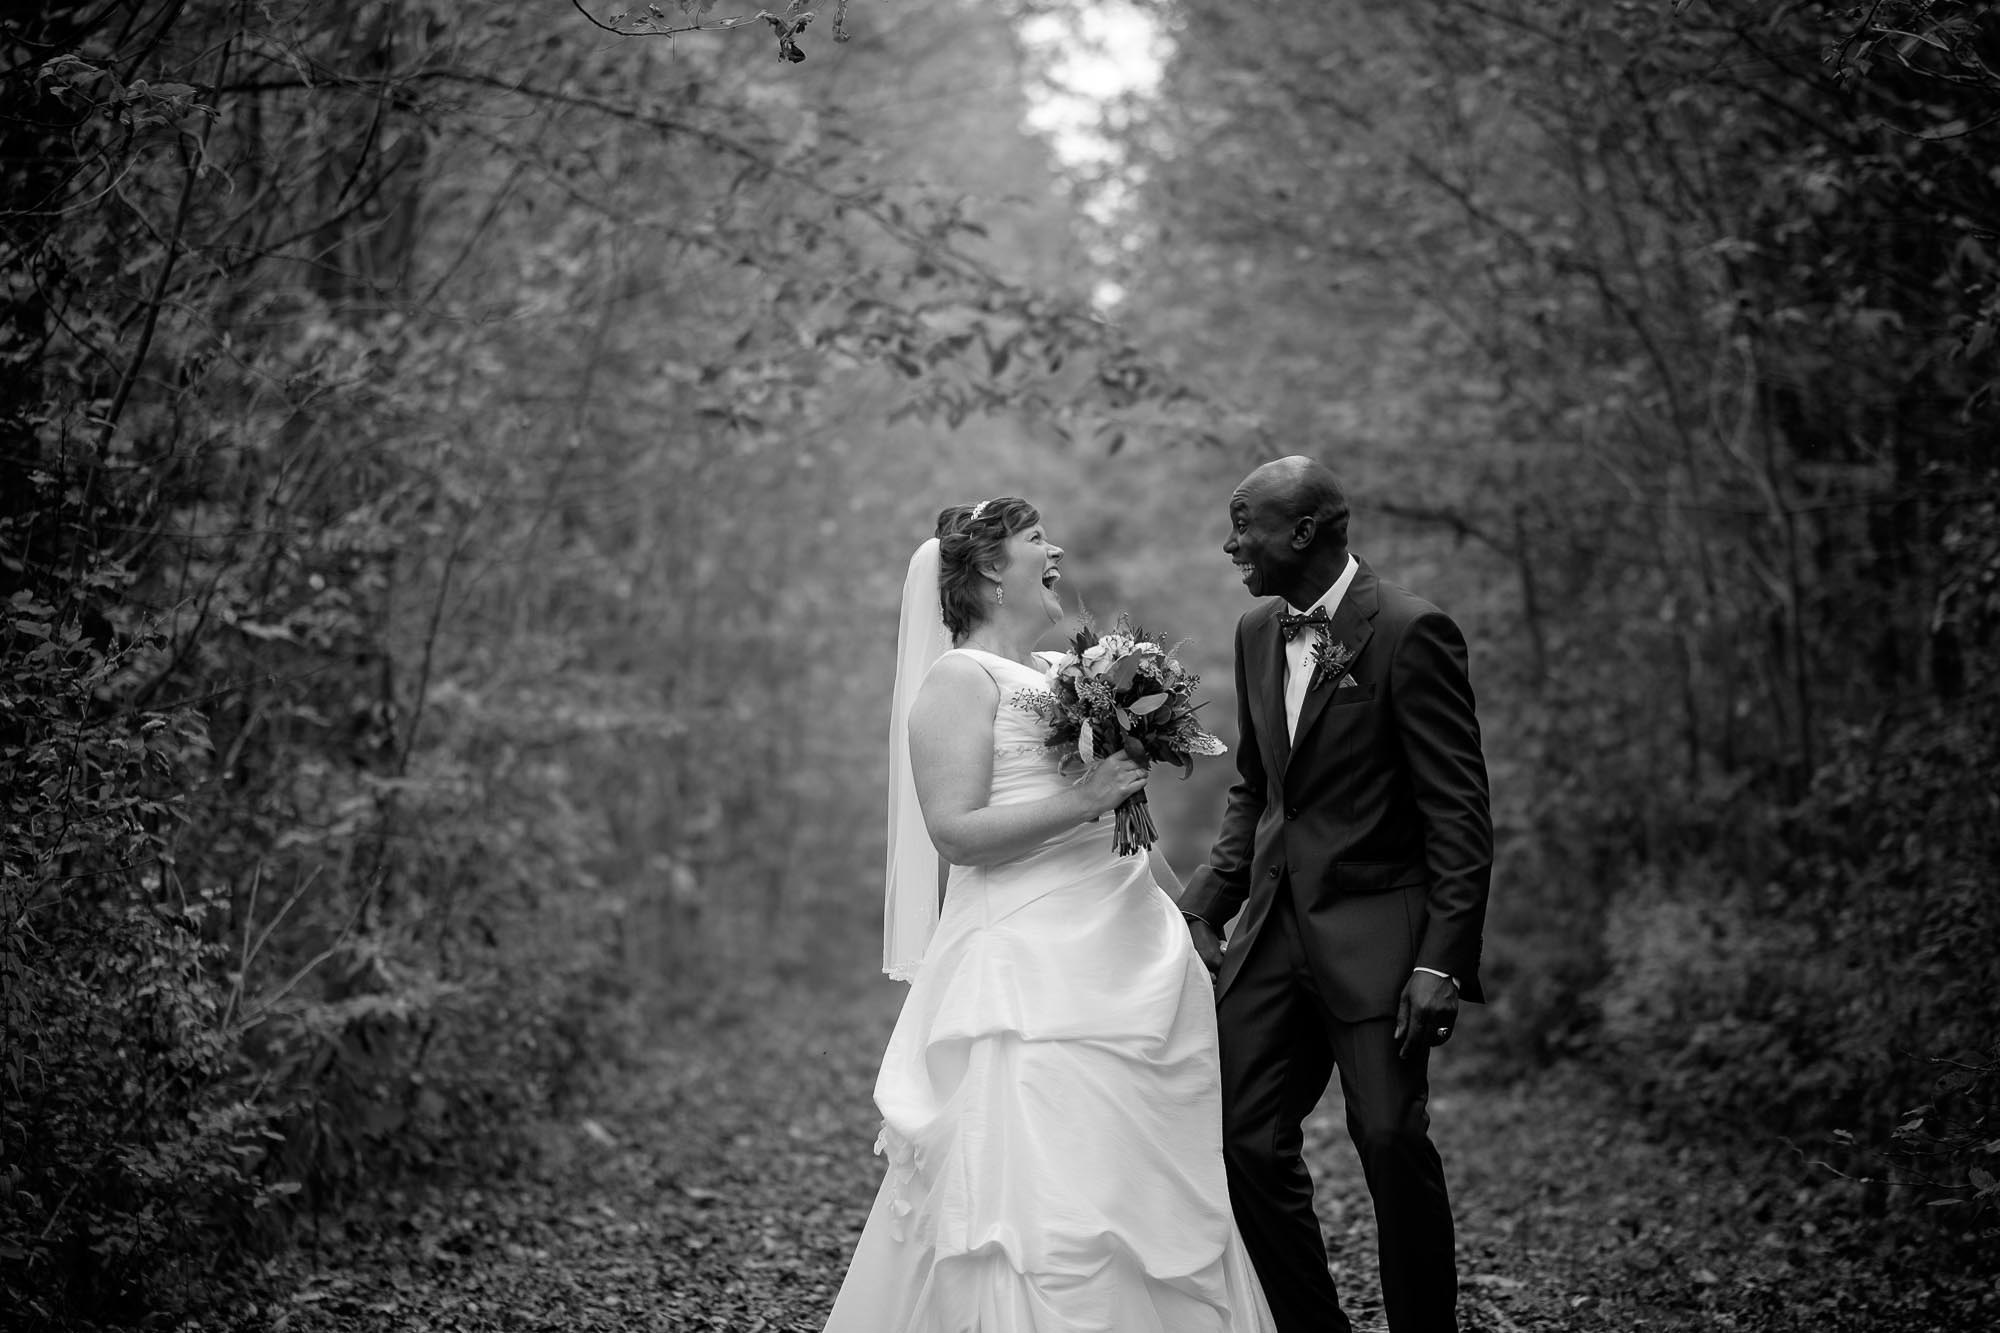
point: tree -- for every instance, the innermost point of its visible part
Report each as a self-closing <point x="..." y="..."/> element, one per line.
<point x="1681" y="316"/>
<point x="416" y="421"/>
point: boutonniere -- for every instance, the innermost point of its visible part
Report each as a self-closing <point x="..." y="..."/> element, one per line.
<point x="1329" y="656"/>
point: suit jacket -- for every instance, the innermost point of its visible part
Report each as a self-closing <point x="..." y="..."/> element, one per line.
<point x="1377" y="810"/>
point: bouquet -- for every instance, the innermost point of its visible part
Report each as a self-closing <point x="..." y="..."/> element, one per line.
<point x="1124" y="692"/>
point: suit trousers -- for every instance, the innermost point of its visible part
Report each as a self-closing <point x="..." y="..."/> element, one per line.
<point x="1280" y="1046"/>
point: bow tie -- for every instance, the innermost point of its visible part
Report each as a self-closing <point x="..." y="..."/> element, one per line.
<point x="1290" y="622"/>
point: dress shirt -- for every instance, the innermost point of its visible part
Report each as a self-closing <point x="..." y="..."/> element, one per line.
<point x="1298" y="653"/>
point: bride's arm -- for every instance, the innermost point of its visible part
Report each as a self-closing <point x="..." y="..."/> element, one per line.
<point x="951" y="758"/>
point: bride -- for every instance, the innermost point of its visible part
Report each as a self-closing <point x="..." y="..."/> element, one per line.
<point x="1050" y="1096"/>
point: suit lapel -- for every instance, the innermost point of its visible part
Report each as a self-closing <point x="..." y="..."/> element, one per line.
<point x="1352" y="625"/>
<point x="1267" y="669"/>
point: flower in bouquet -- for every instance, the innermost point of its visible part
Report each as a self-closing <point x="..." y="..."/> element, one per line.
<point x="1123" y="692"/>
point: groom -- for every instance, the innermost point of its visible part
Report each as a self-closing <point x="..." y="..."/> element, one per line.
<point x="1354" y="854"/>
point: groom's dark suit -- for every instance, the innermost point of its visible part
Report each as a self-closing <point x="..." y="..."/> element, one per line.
<point x="1356" y="850"/>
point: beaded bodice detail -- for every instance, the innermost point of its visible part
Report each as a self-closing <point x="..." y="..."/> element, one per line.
<point x="1022" y="757"/>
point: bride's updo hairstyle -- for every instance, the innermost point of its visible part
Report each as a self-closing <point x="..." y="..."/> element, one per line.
<point x="971" y="537"/>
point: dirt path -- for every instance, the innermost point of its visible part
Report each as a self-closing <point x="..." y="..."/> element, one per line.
<point x="725" y="1188"/>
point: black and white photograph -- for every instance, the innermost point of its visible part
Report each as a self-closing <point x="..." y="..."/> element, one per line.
<point x="999" y="666"/>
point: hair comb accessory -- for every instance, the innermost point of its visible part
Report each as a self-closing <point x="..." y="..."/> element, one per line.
<point x="978" y="510"/>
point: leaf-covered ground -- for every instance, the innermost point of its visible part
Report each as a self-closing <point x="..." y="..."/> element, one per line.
<point x="722" y="1188"/>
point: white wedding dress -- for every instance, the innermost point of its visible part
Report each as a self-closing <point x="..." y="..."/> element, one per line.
<point x="1050" y="1099"/>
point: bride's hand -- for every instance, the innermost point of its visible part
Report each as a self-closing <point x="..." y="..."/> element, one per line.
<point x="1106" y="786"/>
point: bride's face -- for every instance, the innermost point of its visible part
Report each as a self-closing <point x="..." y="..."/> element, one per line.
<point x="1030" y="574"/>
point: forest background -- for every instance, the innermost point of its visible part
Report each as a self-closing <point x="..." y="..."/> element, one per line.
<point x="457" y="464"/>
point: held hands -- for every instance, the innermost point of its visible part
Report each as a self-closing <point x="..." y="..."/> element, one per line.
<point x="1426" y="1013"/>
<point x="1107" y="785"/>
<point x="1207" y="944"/>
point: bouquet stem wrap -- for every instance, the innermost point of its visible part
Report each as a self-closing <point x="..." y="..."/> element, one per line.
<point x="1134" y="830"/>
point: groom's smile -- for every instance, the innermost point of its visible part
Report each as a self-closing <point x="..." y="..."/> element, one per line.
<point x="1285" y="539"/>
<point x="1256" y="544"/>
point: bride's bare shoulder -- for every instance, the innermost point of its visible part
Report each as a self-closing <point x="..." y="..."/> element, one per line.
<point x="958" y="697"/>
<point x="960" y="675"/>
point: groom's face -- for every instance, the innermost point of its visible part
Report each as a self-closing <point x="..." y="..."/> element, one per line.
<point x="1262" y="540"/>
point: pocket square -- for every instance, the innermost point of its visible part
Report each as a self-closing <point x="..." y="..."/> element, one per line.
<point x="1348" y="683"/>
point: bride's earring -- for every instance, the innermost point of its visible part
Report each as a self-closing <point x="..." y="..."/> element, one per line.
<point x="999" y="595"/>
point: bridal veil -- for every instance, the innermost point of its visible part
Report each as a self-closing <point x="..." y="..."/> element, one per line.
<point x="910" y="894"/>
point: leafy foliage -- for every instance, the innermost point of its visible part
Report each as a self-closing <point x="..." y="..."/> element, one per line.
<point x="377" y="742"/>
<point x="447" y="459"/>
<point x="1677" y="322"/>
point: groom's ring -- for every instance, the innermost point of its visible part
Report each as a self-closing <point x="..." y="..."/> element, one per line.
<point x="1442" y="1033"/>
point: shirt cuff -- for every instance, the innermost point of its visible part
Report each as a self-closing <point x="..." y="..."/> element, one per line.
<point x="1197" y="916"/>
<point x="1434" y="972"/>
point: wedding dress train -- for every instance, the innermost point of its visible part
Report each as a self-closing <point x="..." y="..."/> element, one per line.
<point x="1051" y="1102"/>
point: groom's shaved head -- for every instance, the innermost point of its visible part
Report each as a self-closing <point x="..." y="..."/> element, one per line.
<point x="1288" y="531"/>
<point x="1304" y="488"/>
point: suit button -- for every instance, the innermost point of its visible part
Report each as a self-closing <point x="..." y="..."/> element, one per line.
<point x="1272" y="872"/>
<point x="1291" y="814"/>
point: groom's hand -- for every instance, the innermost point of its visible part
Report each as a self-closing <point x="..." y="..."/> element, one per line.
<point x="1427" y="1013"/>
<point x="1207" y="944"/>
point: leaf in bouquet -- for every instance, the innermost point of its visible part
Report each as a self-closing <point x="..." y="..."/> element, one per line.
<point x="1203" y="743"/>
<point x="1151" y="703"/>
<point x="1126" y="671"/>
<point x="1136" y="748"/>
<point x="1086" y="742"/>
